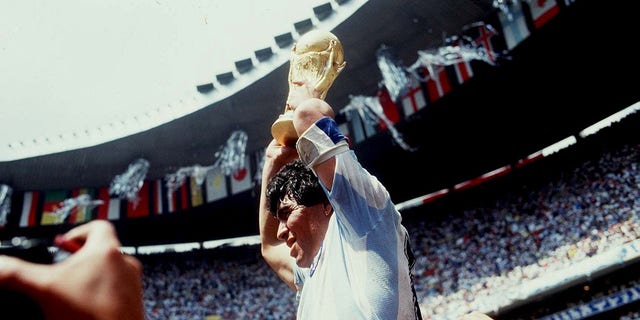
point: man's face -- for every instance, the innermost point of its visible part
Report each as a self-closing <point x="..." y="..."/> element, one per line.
<point x="302" y="228"/>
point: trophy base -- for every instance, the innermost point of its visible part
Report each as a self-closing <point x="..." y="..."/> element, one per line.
<point x="284" y="132"/>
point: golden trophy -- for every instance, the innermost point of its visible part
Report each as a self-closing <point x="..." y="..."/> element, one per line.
<point x="317" y="58"/>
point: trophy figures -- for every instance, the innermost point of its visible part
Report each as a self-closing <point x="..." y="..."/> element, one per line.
<point x="317" y="58"/>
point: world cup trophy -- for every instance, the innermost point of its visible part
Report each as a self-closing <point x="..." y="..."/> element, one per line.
<point x="316" y="58"/>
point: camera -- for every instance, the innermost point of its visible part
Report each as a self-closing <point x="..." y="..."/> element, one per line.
<point x="13" y="303"/>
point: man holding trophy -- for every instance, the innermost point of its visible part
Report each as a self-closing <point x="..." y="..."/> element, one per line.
<point x="316" y="61"/>
<point x="328" y="227"/>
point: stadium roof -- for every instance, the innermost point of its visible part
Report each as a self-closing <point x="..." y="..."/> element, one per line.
<point x="87" y="87"/>
<point x="77" y="73"/>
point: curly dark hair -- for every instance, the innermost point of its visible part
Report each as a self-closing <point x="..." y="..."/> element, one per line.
<point x="296" y="181"/>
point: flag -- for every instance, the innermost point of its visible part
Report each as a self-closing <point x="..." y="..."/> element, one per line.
<point x="110" y="209"/>
<point x="241" y="178"/>
<point x="196" y="192"/>
<point x="414" y="99"/>
<point x="139" y="207"/>
<point x="514" y="25"/>
<point x="184" y="195"/>
<point x="172" y="200"/>
<point x="355" y="123"/>
<point x="542" y="11"/>
<point x="481" y="36"/>
<point x="116" y="207"/>
<point x="365" y="119"/>
<point x="158" y="196"/>
<point x="436" y="82"/>
<point x="103" y="210"/>
<point x="360" y="127"/>
<point x="30" y="201"/>
<point x="389" y="108"/>
<point x="176" y="198"/>
<point x="52" y="203"/>
<point x="368" y="122"/>
<point x="81" y="214"/>
<point x="484" y="39"/>
<point x="463" y="71"/>
<point x="215" y="185"/>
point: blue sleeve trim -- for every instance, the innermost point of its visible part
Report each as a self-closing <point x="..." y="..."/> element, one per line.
<point x="330" y="128"/>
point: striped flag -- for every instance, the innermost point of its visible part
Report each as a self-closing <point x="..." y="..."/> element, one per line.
<point x="215" y="185"/>
<point x="158" y="195"/>
<point x="414" y="99"/>
<point x="52" y="203"/>
<point x="241" y="178"/>
<point x="542" y="11"/>
<point x="463" y="71"/>
<point x="460" y="71"/>
<point x="110" y="209"/>
<point x="514" y="25"/>
<point x="389" y="108"/>
<point x="172" y="200"/>
<point x="436" y="82"/>
<point x="81" y="213"/>
<point x="30" y="201"/>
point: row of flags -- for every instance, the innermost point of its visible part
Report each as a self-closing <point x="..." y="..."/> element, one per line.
<point x="514" y="20"/>
<point x="38" y="208"/>
<point x="503" y="30"/>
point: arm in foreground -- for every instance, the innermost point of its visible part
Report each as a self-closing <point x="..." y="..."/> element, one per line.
<point x="320" y="161"/>
<point x="96" y="282"/>
<point x="274" y="251"/>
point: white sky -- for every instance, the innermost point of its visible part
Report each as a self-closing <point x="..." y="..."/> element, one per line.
<point x="76" y="73"/>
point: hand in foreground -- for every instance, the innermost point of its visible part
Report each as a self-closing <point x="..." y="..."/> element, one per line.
<point x="96" y="282"/>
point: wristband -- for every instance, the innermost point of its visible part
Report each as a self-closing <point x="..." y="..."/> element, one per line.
<point x="320" y="142"/>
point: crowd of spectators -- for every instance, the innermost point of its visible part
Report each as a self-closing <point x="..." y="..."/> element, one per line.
<point x="475" y="260"/>
<point x="232" y="283"/>
<point x="468" y="259"/>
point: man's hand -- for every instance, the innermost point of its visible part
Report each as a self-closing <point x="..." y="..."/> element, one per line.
<point x="280" y="155"/>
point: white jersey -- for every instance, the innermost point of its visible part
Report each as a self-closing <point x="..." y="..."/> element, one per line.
<point x="363" y="268"/>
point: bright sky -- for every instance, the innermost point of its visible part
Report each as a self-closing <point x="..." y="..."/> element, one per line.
<point x="75" y="73"/>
